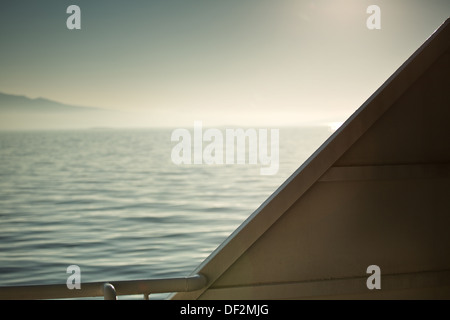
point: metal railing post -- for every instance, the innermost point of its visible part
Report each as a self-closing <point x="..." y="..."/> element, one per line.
<point x="109" y="292"/>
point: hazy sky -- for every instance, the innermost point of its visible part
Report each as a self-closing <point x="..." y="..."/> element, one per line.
<point x="224" y="62"/>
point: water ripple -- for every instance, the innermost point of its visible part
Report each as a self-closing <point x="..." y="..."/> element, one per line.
<point x="113" y="203"/>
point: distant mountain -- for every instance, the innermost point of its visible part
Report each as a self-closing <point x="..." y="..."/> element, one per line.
<point x="21" y="104"/>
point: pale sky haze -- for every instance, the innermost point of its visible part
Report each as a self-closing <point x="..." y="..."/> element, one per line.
<point x="230" y="62"/>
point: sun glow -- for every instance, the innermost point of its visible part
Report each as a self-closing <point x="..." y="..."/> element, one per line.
<point x="335" y="125"/>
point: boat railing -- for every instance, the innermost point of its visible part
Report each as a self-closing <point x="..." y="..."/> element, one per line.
<point x="108" y="289"/>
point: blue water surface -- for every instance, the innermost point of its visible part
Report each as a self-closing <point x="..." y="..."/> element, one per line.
<point x="114" y="203"/>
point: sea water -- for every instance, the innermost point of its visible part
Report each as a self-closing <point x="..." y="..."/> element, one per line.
<point x="113" y="203"/>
